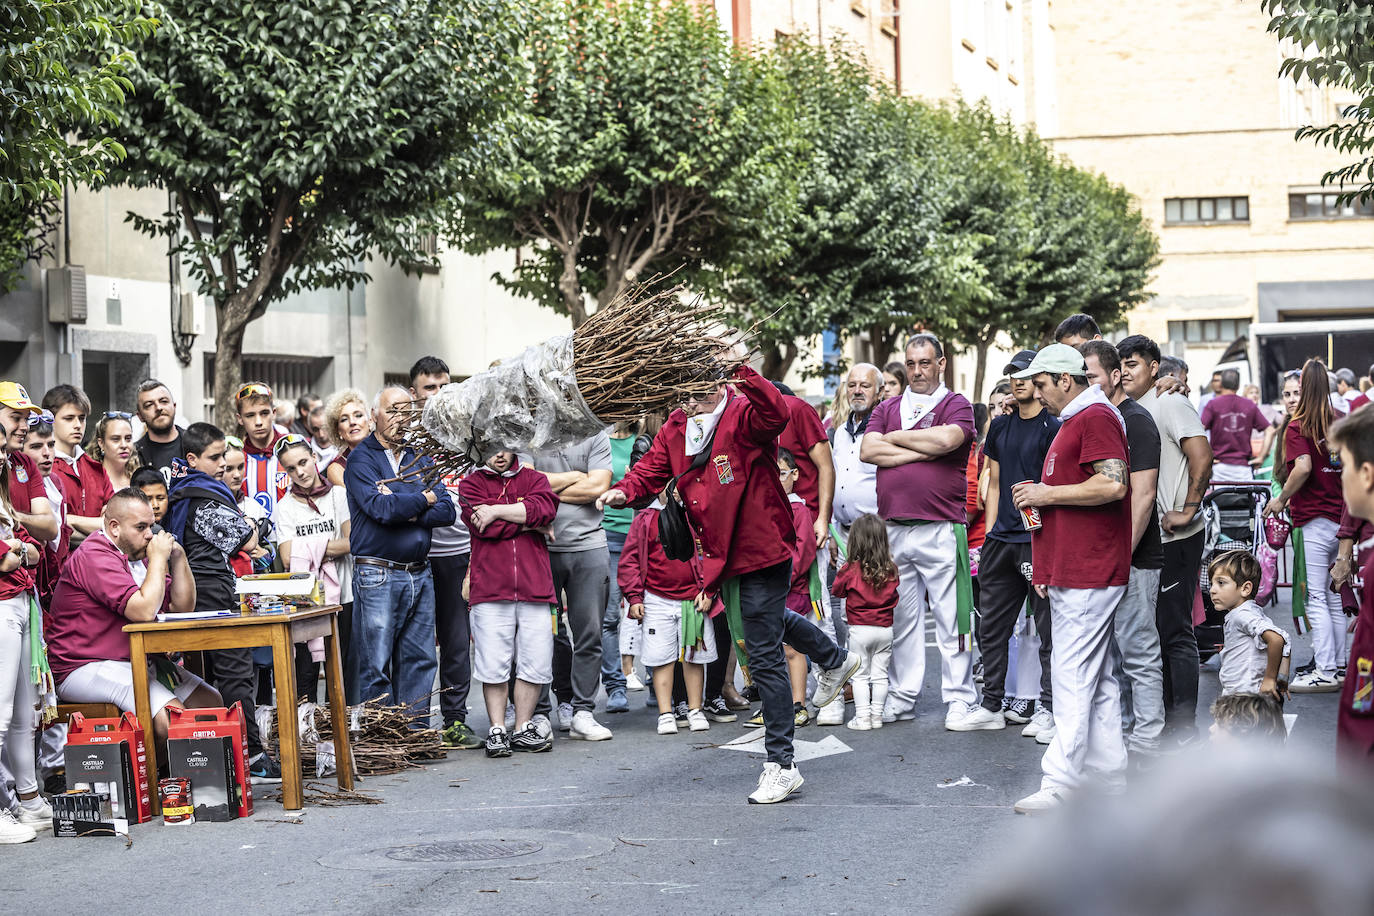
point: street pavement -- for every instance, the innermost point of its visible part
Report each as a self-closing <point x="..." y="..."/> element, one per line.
<point x="909" y="819"/>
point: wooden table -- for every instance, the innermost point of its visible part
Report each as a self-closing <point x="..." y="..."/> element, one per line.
<point x="281" y="632"/>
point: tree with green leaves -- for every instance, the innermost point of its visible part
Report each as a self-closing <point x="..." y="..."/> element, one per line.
<point x="862" y="250"/>
<point x="1336" y="38"/>
<point x="640" y="137"/>
<point x="298" y="138"/>
<point x="62" y="65"/>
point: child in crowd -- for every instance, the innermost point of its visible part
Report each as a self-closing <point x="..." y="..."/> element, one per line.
<point x="259" y="558"/>
<point x="1353" y="440"/>
<point x="663" y="594"/>
<point x="1254" y="651"/>
<point x="507" y="509"/>
<point x="868" y="584"/>
<point x="154" y="486"/>
<point x="1248" y="716"/>
<point x="802" y="597"/>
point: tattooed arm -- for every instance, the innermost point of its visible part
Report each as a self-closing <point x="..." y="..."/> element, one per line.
<point x="1198" y="453"/>
<point x="1108" y="484"/>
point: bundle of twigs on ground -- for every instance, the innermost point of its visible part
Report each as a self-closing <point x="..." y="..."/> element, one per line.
<point x="646" y="351"/>
<point x="383" y="743"/>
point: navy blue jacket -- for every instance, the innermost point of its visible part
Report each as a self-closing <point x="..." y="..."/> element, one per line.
<point x="390" y="526"/>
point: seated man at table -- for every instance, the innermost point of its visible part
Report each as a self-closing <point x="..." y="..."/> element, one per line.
<point x="121" y="574"/>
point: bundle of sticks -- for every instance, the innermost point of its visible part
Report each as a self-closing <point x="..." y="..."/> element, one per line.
<point x="383" y="743"/>
<point x="648" y="350"/>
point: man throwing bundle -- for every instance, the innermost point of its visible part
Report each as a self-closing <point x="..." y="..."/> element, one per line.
<point x="1082" y="560"/>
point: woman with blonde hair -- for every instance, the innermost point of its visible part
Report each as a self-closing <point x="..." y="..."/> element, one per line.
<point x="347" y="422"/>
<point x="113" y="447"/>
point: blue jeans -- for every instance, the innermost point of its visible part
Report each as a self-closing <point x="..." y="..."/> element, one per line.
<point x="612" y="676"/>
<point x="393" y="634"/>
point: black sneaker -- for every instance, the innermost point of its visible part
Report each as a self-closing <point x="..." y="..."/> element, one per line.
<point x="680" y="714"/>
<point x="1306" y="669"/>
<point x="1019" y="711"/>
<point x="531" y="740"/>
<point x="263" y="768"/>
<point x="717" y="711"/>
<point x="56" y="783"/>
<point x="751" y="693"/>
<point x="498" y="742"/>
<point x="978" y="671"/>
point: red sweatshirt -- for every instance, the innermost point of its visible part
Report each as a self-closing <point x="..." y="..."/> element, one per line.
<point x="85" y="484"/>
<point x="509" y="561"/>
<point x="735" y="502"/>
<point x="864" y="605"/>
<point x="1355" y="726"/>
<point x="803" y="556"/>
<point x="644" y="566"/>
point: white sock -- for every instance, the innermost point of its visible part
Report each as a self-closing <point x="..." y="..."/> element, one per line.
<point x="33" y="804"/>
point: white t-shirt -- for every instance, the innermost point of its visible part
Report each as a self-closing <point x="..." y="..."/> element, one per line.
<point x="1177" y="420"/>
<point x="1243" y="654"/>
<point x="293" y="518"/>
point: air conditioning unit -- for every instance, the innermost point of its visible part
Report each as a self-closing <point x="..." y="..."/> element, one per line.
<point x="191" y="316"/>
<point x="67" y="295"/>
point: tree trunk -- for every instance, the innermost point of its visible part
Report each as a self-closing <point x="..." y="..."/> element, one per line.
<point x="980" y="368"/>
<point x="570" y="288"/>
<point x="777" y="362"/>
<point x="228" y="365"/>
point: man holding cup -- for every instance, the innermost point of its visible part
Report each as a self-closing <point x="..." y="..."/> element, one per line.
<point x="1016" y="446"/>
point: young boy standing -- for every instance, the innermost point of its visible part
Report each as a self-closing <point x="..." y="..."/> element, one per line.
<point x="507" y="508"/>
<point x="264" y="480"/>
<point x="205" y="518"/>
<point x="1353" y="439"/>
<point x="1253" y="650"/>
<point x="84" y="482"/>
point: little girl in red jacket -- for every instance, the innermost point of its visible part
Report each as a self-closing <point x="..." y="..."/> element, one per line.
<point x="868" y="584"/>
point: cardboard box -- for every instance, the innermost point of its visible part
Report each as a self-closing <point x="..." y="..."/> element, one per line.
<point x="107" y="755"/>
<point x="85" y="813"/>
<point x="218" y="723"/>
<point x="209" y="764"/>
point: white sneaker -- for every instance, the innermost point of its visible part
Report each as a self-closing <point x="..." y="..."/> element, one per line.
<point x="585" y="727"/>
<point x="632" y="681"/>
<point x="1314" y="682"/>
<point x="542" y="723"/>
<point x="1045" y="735"/>
<point x="667" y="724"/>
<point x="11" y="831"/>
<point x="832" y="713"/>
<point x="888" y="716"/>
<point x="973" y="719"/>
<point x="775" y="784"/>
<point x="1039" y="802"/>
<point x="1041" y="719"/>
<point x="876" y="720"/>
<point x="565" y="716"/>
<point x="696" y="720"/>
<point x="832" y="680"/>
<point x="862" y="723"/>
<point x="38" y="818"/>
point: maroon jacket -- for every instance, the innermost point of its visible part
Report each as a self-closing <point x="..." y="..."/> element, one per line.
<point x="735" y="502"/>
<point x="803" y="556"/>
<point x="509" y="561"/>
<point x="864" y="605"/>
<point x="1355" y="729"/>
<point x="645" y="567"/>
<point x="86" y="486"/>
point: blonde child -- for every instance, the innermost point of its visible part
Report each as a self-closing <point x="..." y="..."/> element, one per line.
<point x="1254" y="651"/>
<point x="868" y="584"/>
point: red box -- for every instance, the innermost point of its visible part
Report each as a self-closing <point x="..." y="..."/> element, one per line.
<point x="218" y="723"/>
<point x="83" y="732"/>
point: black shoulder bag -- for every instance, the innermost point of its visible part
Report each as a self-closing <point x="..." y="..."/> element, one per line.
<point x="674" y="531"/>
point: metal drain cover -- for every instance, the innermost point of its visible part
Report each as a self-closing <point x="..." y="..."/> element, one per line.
<point x="463" y="851"/>
<point x="486" y="849"/>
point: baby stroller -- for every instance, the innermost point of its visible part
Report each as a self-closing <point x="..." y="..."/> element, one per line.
<point x="1234" y="514"/>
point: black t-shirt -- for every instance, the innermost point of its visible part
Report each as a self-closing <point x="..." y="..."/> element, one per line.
<point x="214" y="533"/>
<point x="1142" y="436"/>
<point x="160" y="454"/>
<point x="1019" y="447"/>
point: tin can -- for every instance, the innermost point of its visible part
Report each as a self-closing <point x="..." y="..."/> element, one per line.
<point x="175" y="794"/>
<point x="1030" y="515"/>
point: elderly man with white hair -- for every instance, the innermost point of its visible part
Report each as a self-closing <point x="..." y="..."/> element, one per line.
<point x="393" y="588"/>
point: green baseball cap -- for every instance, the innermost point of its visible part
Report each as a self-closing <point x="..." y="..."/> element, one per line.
<point x="1055" y="358"/>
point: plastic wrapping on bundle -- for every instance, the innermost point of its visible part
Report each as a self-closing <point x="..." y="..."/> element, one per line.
<point x="528" y="403"/>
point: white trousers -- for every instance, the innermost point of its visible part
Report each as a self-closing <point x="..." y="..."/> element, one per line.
<point x="1087" y="745"/>
<point x="1233" y="472"/>
<point x="1324" y="612"/>
<point x="502" y="630"/>
<point x="926" y="566"/>
<point x="874" y="645"/>
<point x="18" y="694"/>
<point x="663" y="634"/>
